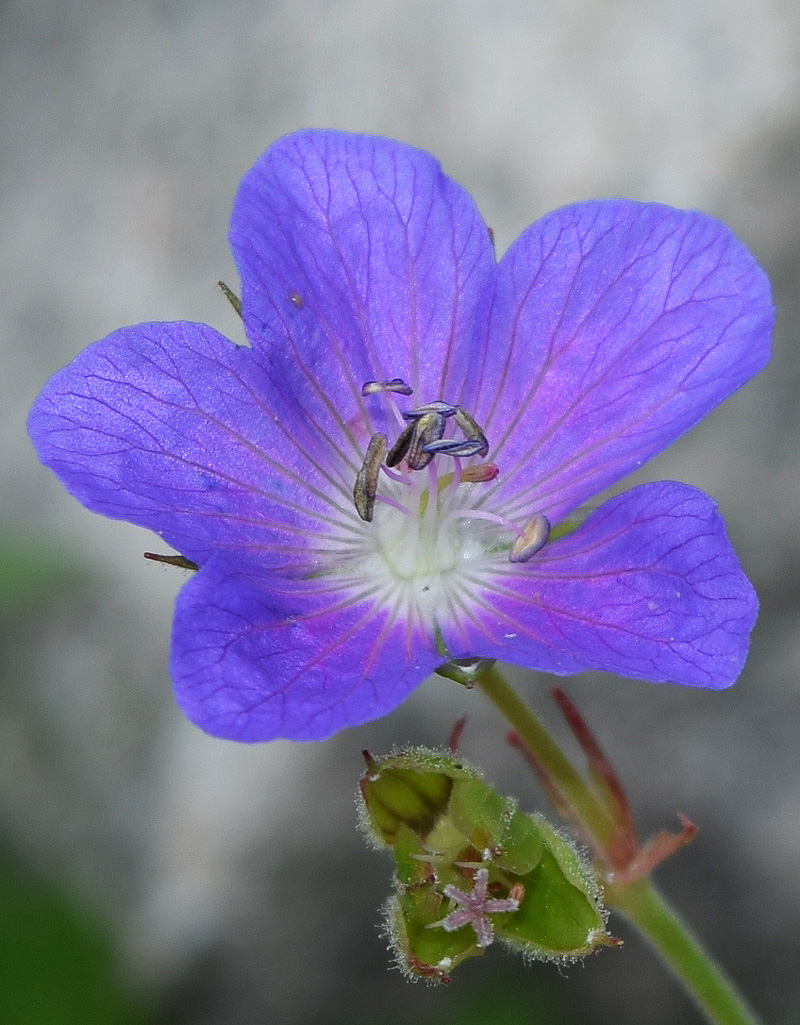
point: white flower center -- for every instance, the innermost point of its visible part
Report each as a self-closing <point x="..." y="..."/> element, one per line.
<point x="428" y="544"/>
<point x="420" y="542"/>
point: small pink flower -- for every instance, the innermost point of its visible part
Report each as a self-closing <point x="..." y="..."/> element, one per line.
<point x="475" y="909"/>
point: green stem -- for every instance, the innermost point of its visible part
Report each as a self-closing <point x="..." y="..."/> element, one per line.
<point x="638" y="901"/>
<point x="701" y="977"/>
<point x="592" y="817"/>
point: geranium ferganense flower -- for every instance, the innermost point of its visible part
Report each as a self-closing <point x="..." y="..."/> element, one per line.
<point x="369" y="486"/>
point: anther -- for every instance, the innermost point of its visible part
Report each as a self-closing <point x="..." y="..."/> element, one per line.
<point x="439" y="407"/>
<point x="450" y="447"/>
<point x="231" y="296"/>
<point x="471" y="430"/>
<point x="400" y="447"/>
<point x="396" y="385"/>
<point x="178" y="561"/>
<point x="533" y="537"/>
<point x="366" y="486"/>
<point x="428" y="428"/>
<point x="480" y="473"/>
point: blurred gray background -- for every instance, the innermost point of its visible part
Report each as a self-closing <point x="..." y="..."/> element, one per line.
<point x="213" y="883"/>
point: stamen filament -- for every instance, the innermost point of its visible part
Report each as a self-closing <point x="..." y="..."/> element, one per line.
<point x="395" y="505"/>
<point x="480" y="514"/>
<point x="432" y="500"/>
<point x="398" y="475"/>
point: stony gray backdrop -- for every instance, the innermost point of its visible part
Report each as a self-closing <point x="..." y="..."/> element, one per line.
<point x="233" y="875"/>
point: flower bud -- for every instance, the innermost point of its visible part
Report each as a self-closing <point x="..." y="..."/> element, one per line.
<point x="471" y="868"/>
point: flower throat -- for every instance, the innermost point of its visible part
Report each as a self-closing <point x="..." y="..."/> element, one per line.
<point x="416" y="449"/>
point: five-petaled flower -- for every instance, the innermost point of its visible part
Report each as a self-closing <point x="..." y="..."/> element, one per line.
<point x="368" y="486"/>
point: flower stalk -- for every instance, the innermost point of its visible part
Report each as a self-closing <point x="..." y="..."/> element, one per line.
<point x="632" y="895"/>
<point x="593" y="820"/>
<point x="701" y="977"/>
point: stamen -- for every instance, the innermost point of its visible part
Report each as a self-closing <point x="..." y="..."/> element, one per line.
<point x="400" y="447"/>
<point x="472" y="431"/>
<point x="179" y="561"/>
<point x="449" y="447"/>
<point x="438" y="406"/>
<point x="533" y="537"/>
<point x="231" y="296"/>
<point x="429" y="427"/>
<point x="366" y="486"/>
<point x="479" y="473"/>
<point x="396" y="385"/>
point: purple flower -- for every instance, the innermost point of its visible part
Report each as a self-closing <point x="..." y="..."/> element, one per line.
<point x="330" y="583"/>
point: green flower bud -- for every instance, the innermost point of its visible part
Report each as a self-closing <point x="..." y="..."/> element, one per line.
<point x="470" y="867"/>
